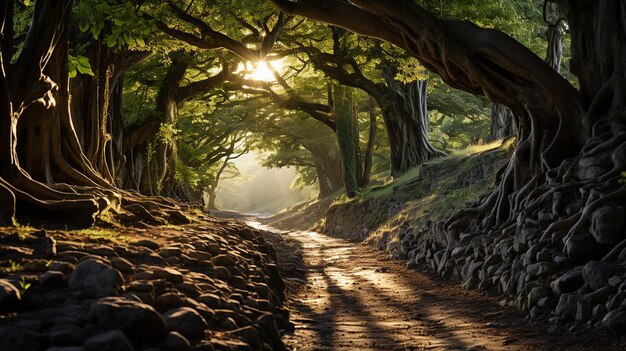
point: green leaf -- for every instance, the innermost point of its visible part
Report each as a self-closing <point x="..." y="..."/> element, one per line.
<point x="83" y="61"/>
<point x="111" y="40"/>
<point x="83" y="26"/>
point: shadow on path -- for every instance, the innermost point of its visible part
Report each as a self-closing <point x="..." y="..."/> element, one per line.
<point x="357" y="299"/>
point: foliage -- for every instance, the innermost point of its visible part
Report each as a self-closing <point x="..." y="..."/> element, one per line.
<point x="24" y="286"/>
<point x="118" y="23"/>
<point x="13" y="267"/>
<point x="78" y="64"/>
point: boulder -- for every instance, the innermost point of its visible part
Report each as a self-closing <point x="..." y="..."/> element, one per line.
<point x="568" y="306"/>
<point x="568" y="282"/>
<point x="540" y="269"/>
<point x="51" y="279"/>
<point x="123" y="265"/>
<point x="597" y="273"/>
<point x="177" y="342"/>
<point x="223" y="260"/>
<point x="94" y="278"/>
<point x="608" y="224"/>
<point x="582" y="248"/>
<point x="170" y="274"/>
<point x="187" y="322"/>
<point x="138" y="320"/>
<point x="615" y="321"/>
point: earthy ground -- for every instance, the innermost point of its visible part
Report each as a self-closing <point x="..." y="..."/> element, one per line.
<point x="356" y="298"/>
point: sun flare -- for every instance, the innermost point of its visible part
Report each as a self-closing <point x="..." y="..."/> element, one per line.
<point x="260" y="70"/>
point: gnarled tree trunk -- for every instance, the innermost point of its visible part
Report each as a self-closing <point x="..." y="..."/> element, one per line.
<point x="405" y="112"/>
<point x="503" y="122"/>
<point x="560" y="192"/>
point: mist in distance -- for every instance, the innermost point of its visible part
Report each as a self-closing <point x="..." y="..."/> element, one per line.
<point x="259" y="190"/>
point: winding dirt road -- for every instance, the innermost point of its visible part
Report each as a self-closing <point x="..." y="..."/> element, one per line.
<point x="355" y="298"/>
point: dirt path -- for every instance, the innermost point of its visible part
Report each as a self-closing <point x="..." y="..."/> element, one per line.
<point x="355" y="298"/>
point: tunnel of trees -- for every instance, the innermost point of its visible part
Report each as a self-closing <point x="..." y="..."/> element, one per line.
<point x="127" y="107"/>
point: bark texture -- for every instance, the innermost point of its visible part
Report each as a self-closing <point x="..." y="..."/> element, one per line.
<point x="571" y="143"/>
<point x="403" y="105"/>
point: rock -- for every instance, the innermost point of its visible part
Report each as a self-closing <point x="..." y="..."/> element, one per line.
<point x="268" y="323"/>
<point x="583" y="311"/>
<point x="67" y="334"/>
<point x="599" y="311"/>
<point x="139" y="321"/>
<point x="540" y="269"/>
<point x="94" y="278"/>
<point x="170" y="252"/>
<point x="113" y="340"/>
<point x="568" y="282"/>
<point x="169" y="300"/>
<point x="123" y="265"/>
<point x="187" y="322"/>
<point x="615" y="321"/>
<point x="102" y="250"/>
<point x="223" y="260"/>
<point x="64" y="267"/>
<point x="493" y="259"/>
<point x="546" y="303"/>
<point x="615" y="281"/>
<point x="152" y="245"/>
<point x="544" y="256"/>
<point x="170" y="274"/>
<point x="597" y="273"/>
<point x="568" y="306"/>
<point x="536" y="294"/>
<point x="45" y="247"/>
<point x="248" y="333"/>
<point x="13" y="338"/>
<point x="35" y="265"/>
<point x="615" y="301"/>
<point x="599" y="296"/>
<point x="177" y="342"/>
<point x="211" y="300"/>
<point x="51" y="279"/>
<point x="10" y="296"/>
<point x="582" y="248"/>
<point x="608" y="224"/>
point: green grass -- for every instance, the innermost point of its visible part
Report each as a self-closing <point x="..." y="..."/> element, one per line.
<point x="101" y="234"/>
<point x="478" y="148"/>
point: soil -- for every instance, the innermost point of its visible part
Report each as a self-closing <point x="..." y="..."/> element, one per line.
<point x="355" y="297"/>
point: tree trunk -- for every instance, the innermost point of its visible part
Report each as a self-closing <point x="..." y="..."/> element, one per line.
<point x="503" y="122"/>
<point x="406" y="116"/>
<point x="371" y="141"/>
<point x="347" y="136"/>
<point x="327" y="163"/>
<point x="27" y="91"/>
